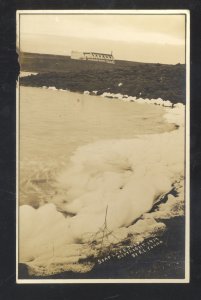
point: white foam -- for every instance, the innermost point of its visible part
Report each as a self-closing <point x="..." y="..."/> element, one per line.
<point x="115" y="175"/>
<point x="86" y="93"/>
<point x="158" y="101"/>
<point x="25" y="74"/>
<point x="124" y="177"/>
<point x="126" y="98"/>
<point x="52" y="88"/>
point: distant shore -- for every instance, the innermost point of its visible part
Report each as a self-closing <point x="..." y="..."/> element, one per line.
<point x="141" y="80"/>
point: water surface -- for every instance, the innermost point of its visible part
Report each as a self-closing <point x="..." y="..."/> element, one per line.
<point x="55" y="123"/>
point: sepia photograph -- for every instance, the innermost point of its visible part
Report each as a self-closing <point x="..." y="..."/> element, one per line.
<point x="103" y="107"/>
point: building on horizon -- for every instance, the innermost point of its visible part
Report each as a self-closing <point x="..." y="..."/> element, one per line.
<point x="93" y="56"/>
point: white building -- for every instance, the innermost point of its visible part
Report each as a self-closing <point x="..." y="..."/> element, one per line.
<point x="93" y="56"/>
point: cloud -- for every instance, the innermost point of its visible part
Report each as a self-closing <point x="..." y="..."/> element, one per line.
<point x="169" y="29"/>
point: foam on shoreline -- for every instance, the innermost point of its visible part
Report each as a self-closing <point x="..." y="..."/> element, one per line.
<point x="174" y="112"/>
<point x="126" y="98"/>
<point x="123" y="177"/>
<point x="26" y="74"/>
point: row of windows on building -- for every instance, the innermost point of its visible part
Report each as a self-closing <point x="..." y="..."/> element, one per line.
<point x="102" y="57"/>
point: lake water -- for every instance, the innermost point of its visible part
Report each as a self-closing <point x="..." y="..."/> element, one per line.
<point x="114" y="168"/>
<point x="53" y="124"/>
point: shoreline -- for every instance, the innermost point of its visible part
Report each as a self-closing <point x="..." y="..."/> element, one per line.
<point x="115" y="96"/>
<point x="164" y="261"/>
<point x="140" y="80"/>
<point x="170" y="111"/>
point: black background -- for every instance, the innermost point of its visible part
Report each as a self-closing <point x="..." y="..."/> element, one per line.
<point x="9" y="70"/>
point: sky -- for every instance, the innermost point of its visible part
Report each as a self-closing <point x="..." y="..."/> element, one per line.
<point x="144" y="38"/>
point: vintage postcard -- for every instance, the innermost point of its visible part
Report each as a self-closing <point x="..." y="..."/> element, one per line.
<point x="103" y="107"/>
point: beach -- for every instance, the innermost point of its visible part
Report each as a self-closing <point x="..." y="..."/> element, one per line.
<point x="83" y="155"/>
